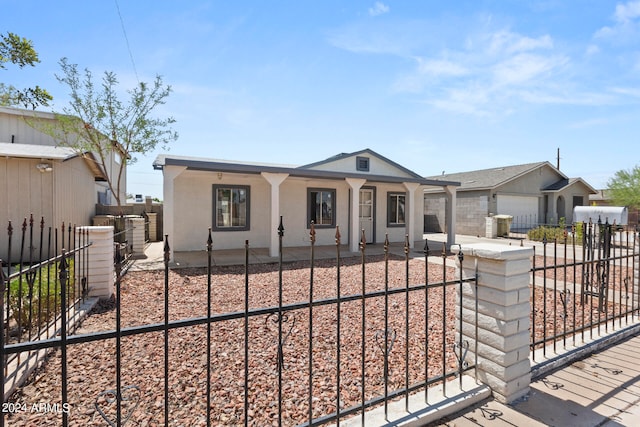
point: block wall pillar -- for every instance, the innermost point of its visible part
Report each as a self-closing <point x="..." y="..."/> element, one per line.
<point x="503" y="316"/>
<point x="100" y="254"/>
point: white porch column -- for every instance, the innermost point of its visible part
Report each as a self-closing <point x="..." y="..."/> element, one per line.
<point x="274" y="179"/>
<point x="354" y="227"/>
<point x="410" y="211"/>
<point x="170" y="173"/>
<point x="451" y="214"/>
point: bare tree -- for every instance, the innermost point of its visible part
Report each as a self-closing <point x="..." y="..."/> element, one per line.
<point x="99" y="122"/>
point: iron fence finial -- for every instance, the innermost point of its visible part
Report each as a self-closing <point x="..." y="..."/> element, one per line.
<point x="166" y="249"/>
<point x="281" y="228"/>
<point x="338" y="235"/>
<point x="312" y="233"/>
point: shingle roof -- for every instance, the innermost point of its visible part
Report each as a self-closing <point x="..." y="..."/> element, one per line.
<point x="490" y="178"/>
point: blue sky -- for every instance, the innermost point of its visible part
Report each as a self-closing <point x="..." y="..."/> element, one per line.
<point x="434" y="86"/>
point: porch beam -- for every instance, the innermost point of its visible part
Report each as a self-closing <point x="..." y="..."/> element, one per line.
<point x="354" y="227"/>
<point x="274" y="180"/>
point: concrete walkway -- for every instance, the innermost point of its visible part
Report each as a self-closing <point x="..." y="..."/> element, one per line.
<point x="602" y="389"/>
<point x="153" y="258"/>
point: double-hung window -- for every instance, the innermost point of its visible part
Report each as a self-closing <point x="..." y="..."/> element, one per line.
<point x="230" y="207"/>
<point x="395" y="209"/>
<point x="321" y="204"/>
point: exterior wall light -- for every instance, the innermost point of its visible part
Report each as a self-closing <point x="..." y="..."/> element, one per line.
<point x="44" y="167"/>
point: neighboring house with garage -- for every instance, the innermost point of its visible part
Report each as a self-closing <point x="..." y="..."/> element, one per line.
<point x="532" y="193"/>
<point x="244" y="201"/>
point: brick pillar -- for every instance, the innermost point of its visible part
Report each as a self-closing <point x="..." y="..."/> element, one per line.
<point x="503" y="316"/>
<point x="101" y="272"/>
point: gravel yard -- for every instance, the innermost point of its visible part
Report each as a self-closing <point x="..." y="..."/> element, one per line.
<point x="91" y="367"/>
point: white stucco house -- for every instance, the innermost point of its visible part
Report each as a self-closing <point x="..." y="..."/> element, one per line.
<point x="244" y="201"/>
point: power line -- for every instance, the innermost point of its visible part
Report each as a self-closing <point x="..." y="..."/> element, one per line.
<point x="124" y="31"/>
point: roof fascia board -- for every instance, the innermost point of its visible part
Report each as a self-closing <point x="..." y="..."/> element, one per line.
<point x="297" y="172"/>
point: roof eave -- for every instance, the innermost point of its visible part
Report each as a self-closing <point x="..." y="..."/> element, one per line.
<point x="160" y="163"/>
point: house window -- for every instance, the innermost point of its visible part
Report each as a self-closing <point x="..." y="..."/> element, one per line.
<point x="362" y="164"/>
<point x="230" y="207"/>
<point x="577" y="201"/>
<point x="321" y="207"/>
<point x="395" y="209"/>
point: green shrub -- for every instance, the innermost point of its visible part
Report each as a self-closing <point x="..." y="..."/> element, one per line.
<point x="34" y="305"/>
<point x="557" y="233"/>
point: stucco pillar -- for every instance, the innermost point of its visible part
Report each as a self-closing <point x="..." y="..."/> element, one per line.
<point x="450" y="214"/>
<point x="354" y="227"/>
<point x="100" y="258"/>
<point x="410" y="211"/>
<point x="503" y="316"/>
<point x="274" y="180"/>
<point x="170" y="173"/>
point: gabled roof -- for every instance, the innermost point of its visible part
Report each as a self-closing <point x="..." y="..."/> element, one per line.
<point x="486" y="179"/>
<point x="564" y="183"/>
<point x="306" y="171"/>
<point x="366" y="151"/>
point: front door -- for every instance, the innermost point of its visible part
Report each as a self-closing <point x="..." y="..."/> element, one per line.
<point x="366" y="213"/>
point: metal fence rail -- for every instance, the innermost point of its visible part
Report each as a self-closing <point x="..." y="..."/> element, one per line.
<point x="393" y="337"/>
<point x="41" y="289"/>
<point x="582" y="282"/>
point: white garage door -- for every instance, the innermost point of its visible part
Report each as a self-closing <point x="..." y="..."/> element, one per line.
<point x="518" y="206"/>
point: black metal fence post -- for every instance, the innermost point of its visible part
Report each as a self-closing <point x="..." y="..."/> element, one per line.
<point x="64" y="275"/>
<point x="2" y="340"/>
<point x="209" y="254"/>
<point x="338" y="314"/>
<point x="312" y="239"/>
<point x="167" y="255"/>
<point x="363" y="245"/>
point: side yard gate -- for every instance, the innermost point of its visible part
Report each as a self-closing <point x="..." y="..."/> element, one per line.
<point x="584" y="283"/>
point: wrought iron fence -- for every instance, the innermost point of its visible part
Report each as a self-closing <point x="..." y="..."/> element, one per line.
<point x="41" y="289"/>
<point x="351" y="335"/>
<point x="582" y="282"/>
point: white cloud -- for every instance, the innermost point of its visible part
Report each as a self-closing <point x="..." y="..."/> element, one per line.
<point x="507" y="42"/>
<point x="627" y="91"/>
<point x="378" y="8"/>
<point x="626" y="25"/>
<point x="441" y="67"/>
<point x="627" y="12"/>
<point x="592" y="49"/>
<point x="524" y="68"/>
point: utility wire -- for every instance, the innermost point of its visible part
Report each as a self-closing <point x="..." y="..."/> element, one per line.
<point x="124" y="31"/>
